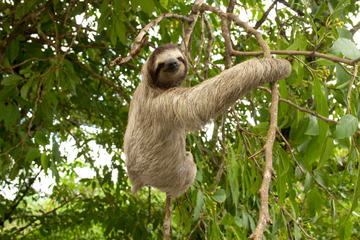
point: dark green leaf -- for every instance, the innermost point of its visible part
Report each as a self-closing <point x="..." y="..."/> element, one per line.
<point x="314" y="201"/>
<point x="147" y="6"/>
<point x="11" y="80"/>
<point x="32" y="154"/>
<point x="10" y="115"/>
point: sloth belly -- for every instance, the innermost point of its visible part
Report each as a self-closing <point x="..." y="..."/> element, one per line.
<point x="162" y="162"/>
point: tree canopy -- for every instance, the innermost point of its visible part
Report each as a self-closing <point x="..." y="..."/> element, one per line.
<point x="60" y="88"/>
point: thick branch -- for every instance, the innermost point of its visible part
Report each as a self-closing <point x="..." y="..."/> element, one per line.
<point x="303" y="53"/>
<point x="237" y="21"/>
<point x="264" y="216"/>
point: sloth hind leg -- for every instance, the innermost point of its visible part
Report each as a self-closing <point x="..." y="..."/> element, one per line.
<point x="185" y="176"/>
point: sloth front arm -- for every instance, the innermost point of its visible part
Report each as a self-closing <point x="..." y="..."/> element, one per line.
<point x="191" y="108"/>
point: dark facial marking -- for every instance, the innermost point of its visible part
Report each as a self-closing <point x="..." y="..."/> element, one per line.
<point x="182" y="60"/>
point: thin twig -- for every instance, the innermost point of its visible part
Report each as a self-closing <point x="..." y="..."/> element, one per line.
<point x="167" y="219"/>
<point x="140" y="41"/>
<point x="193" y="230"/>
<point x="350" y="88"/>
<point x="285" y="212"/>
<point x="208" y="48"/>
<point x="303" y="170"/>
<point x="185" y="44"/>
<point x="301" y="108"/>
<point x="265" y="15"/>
<point x="119" y="88"/>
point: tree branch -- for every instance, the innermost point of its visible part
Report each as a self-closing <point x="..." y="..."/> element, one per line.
<point x="301" y="108"/>
<point x="264" y="216"/>
<point x="265" y="15"/>
<point x="19" y="198"/>
<point x="167" y="219"/>
<point x="140" y="41"/>
<point x="119" y="89"/>
<point x="303" y="53"/>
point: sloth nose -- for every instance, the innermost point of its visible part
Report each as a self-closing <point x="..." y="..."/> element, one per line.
<point x="172" y="65"/>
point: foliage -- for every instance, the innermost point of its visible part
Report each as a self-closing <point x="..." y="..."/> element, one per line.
<point x="57" y="88"/>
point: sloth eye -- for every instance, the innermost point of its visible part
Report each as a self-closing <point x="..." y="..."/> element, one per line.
<point x="180" y="59"/>
<point x="161" y="65"/>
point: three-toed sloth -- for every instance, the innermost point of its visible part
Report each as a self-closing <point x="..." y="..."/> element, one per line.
<point x="161" y="111"/>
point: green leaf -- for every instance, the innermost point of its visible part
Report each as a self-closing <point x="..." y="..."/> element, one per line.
<point x="344" y="33"/>
<point x="147" y="6"/>
<point x="232" y="176"/>
<point x="25" y="89"/>
<point x="214" y="231"/>
<point x="11" y="80"/>
<point x="346" y="229"/>
<point x="314" y="148"/>
<point x="199" y="205"/>
<point x="346" y="127"/>
<point x="10" y="114"/>
<point x="320" y="99"/>
<point x="45" y="159"/>
<point x="219" y="196"/>
<point x="41" y="138"/>
<point x="324" y="62"/>
<point x="55" y="151"/>
<point x="342" y="76"/>
<point x="13" y="50"/>
<point x="120" y="29"/>
<point x="164" y="3"/>
<point x="314" y="201"/>
<point x="308" y="182"/>
<point x="313" y="127"/>
<point x="31" y="155"/>
<point x="346" y="47"/>
<point x="326" y="152"/>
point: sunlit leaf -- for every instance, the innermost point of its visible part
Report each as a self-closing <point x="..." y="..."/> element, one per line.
<point x="346" y="127"/>
<point x="346" y="47"/>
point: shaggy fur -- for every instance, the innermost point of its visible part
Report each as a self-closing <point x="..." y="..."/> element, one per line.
<point x="161" y="112"/>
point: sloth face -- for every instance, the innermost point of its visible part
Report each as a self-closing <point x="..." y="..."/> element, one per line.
<point x="167" y="66"/>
